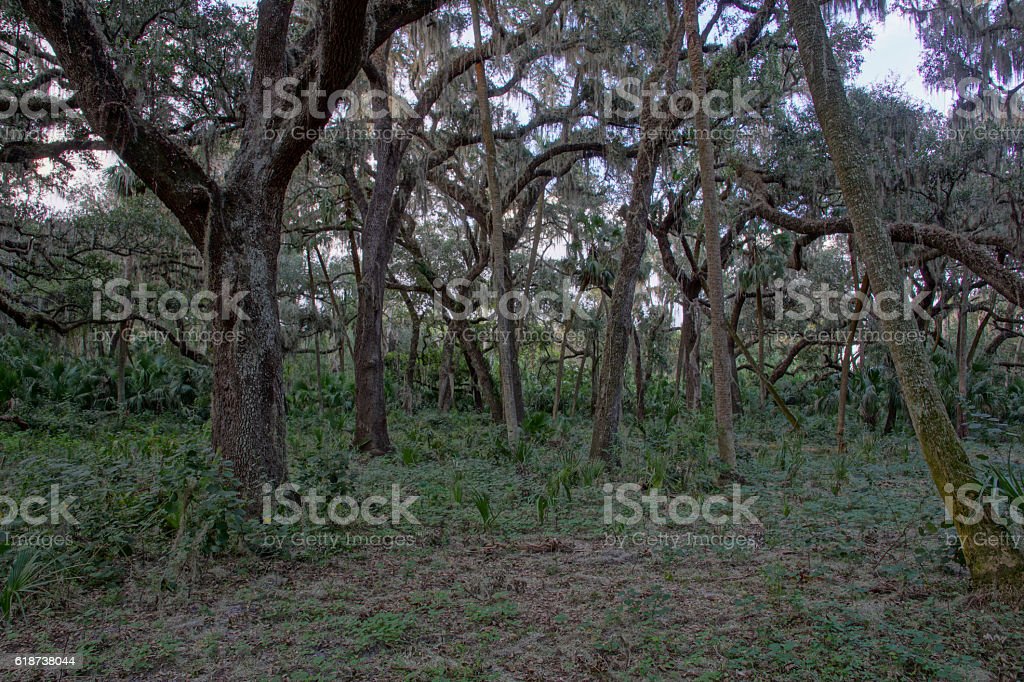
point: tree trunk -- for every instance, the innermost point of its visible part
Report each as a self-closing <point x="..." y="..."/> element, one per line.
<point x="638" y="378"/>
<point x="248" y="405"/>
<point x="481" y="369"/>
<point x="380" y="228"/>
<point x="408" y="399"/>
<point x="691" y="353"/>
<point x="316" y="334"/>
<point x="446" y="377"/>
<point x="557" y="404"/>
<point x="608" y="386"/>
<point x="504" y="339"/>
<point x="579" y="382"/>
<point x="339" y="313"/>
<point x="992" y="560"/>
<point x="844" y="378"/>
<point x="961" y="355"/>
<point x="721" y="355"/>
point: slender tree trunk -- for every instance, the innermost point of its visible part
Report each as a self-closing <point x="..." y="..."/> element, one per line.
<point x="680" y="358"/>
<point x="579" y="382"/>
<point x="844" y="377"/>
<point x="408" y="399"/>
<point x="759" y="300"/>
<point x="122" y="359"/>
<point x="557" y="406"/>
<point x="734" y="372"/>
<point x="638" y="378"/>
<point x="691" y="353"/>
<point x="339" y="313"/>
<point x="721" y="356"/>
<point x="511" y="407"/>
<point x="446" y="379"/>
<point x="316" y="334"/>
<point x="961" y="356"/>
<point x="988" y="554"/>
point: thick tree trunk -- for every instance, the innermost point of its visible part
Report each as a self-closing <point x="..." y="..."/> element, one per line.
<point x="721" y="355"/>
<point x="371" y="432"/>
<point x="988" y="554"/>
<point x="248" y="406"/>
<point x="608" y="386"/>
<point x="380" y="228"/>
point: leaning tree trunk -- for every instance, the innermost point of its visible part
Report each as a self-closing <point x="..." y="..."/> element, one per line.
<point x="248" y="404"/>
<point x="988" y="554"/>
<point x="481" y="369"/>
<point x="721" y="355"/>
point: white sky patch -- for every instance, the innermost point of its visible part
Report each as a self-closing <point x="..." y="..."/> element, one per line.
<point x="896" y="55"/>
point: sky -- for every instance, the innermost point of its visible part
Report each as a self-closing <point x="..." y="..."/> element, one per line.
<point x="896" y="53"/>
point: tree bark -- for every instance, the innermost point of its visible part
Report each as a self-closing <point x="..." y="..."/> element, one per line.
<point x="248" y="407"/>
<point x="409" y="392"/>
<point x="844" y="377"/>
<point x="721" y="356"/>
<point x="992" y="560"/>
<point x="504" y="339"/>
<point x="608" y="386"/>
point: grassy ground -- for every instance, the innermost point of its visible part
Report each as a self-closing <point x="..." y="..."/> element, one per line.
<point x="847" y="575"/>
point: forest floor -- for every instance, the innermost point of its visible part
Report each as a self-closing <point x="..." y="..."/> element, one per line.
<point x="846" y="575"/>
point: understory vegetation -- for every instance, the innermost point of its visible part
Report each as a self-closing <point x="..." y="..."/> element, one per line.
<point x="848" y="573"/>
